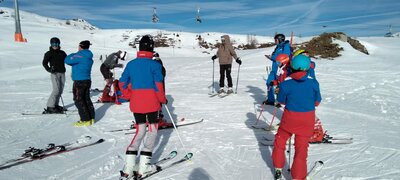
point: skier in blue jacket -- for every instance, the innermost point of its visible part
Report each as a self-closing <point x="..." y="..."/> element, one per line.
<point x="82" y="63"/>
<point x="282" y="46"/>
<point x="300" y="94"/>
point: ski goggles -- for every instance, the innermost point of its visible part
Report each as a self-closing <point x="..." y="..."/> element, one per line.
<point x="55" y="44"/>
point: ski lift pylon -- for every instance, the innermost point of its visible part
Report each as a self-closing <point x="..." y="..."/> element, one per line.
<point x="155" y="18"/>
<point x="198" y="19"/>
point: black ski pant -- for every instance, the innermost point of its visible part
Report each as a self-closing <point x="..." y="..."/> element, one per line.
<point x="225" y="68"/>
<point x="106" y="72"/>
<point x="83" y="103"/>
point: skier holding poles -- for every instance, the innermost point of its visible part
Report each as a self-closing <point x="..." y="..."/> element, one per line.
<point x="145" y="77"/>
<point x="225" y="53"/>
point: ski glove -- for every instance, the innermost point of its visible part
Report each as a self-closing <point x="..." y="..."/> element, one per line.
<point x="214" y="57"/>
<point x="51" y="70"/>
<point x="239" y="61"/>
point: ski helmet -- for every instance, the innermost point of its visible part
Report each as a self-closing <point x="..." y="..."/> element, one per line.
<point x="146" y="43"/>
<point x="300" y="51"/>
<point x="282" y="58"/>
<point x="280" y="38"/>
<point x="300" y="63"/>
<point x="55" y="41"/>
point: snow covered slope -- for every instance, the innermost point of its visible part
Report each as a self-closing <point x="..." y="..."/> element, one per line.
<point x="360" y="99"/>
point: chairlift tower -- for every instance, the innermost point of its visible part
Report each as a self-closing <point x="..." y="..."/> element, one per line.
<point x="18" y="34"/>
<point x="198" y="19"/>
<point x="155" y="18"/>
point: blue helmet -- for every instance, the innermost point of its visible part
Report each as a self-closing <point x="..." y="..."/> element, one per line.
<point x="300" y="63"/>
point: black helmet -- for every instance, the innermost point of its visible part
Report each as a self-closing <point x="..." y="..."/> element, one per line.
<point x="55" y="40"/>
<point x="146" y="43"/>
<point x="280" y="38"/>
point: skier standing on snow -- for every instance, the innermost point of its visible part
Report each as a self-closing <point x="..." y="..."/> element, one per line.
<point x="282" y="46"/>
<point x="300" y="95"/>
<point x="146" y="79"/>
<point x="55" y="58"/>
<point x="82" y="63"/>
<point x="225" y="53"/>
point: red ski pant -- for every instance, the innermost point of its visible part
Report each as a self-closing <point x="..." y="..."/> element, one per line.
<point x="299" y="167"/>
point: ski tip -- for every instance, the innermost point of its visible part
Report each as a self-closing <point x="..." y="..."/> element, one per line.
<point x="189" y="156"/>
<point x="320" y="162"/>
<point x="173" y="153"/>
<point x="100" y="140"/>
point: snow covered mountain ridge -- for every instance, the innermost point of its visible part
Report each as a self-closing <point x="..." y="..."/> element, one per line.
<point x="25" y="17"/>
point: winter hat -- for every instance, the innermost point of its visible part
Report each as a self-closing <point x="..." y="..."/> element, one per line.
<point x="300" y="63"/>
<point x="55" y="41"/>
<point x="280" y="38"/>
<point x="146" y="43"/>
<point x="85" y="44"/>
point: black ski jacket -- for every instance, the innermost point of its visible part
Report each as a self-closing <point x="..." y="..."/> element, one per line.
<point x="53" y="61"/>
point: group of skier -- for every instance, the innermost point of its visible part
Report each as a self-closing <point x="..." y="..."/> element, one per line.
<point x="292" y="80"/>
<point x="81" y="63"/>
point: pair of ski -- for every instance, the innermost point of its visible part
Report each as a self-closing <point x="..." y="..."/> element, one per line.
<point x="33" y="154"/>
<point x="314" y="170"/>
<point x="268" y="141"/>
<point x="66" y="112"/>
<point x="160" y="168"/>
<point x="220" y="95"/>
<point x="160" y="127"/>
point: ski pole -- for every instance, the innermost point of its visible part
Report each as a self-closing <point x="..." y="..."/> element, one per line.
<point x="273" y="117"/>
<point x="212" y="84"/>
<point x="237" y="79"/>
<point x="259" y="115"/>
<point x="173" y="123"/>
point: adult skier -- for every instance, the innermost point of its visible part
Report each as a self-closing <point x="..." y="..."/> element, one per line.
<point x="225" y="53"/>
<point x="110" y="63"/>
<point x="53" y="62"/>
<point x="82" y="63"/>
<point x="146" y="79"/>
<point x="300" y="95"/>
<point x="282" y="46"/>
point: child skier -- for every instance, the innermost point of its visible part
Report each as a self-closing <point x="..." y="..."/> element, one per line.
<point x="300" y="95"/>
<point x="145" y="77"/>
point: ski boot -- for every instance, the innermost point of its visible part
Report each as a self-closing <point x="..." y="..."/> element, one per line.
<point x="221" y="90"/>
<point x="278" y="174"/>
<point x="230" y="90"/>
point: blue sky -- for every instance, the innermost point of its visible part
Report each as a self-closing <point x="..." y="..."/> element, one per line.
<point x="260" y="17"/>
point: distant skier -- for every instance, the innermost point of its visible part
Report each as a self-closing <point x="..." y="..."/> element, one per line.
<point x="146" y="79"/>
<point x="110" y="63"/>
<point x="55" y="58"/>
<point x="82" y="63"/>
<point x="282" y="46"/>
<point x="225" y="53"/>
<point x="300" y="95"/>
